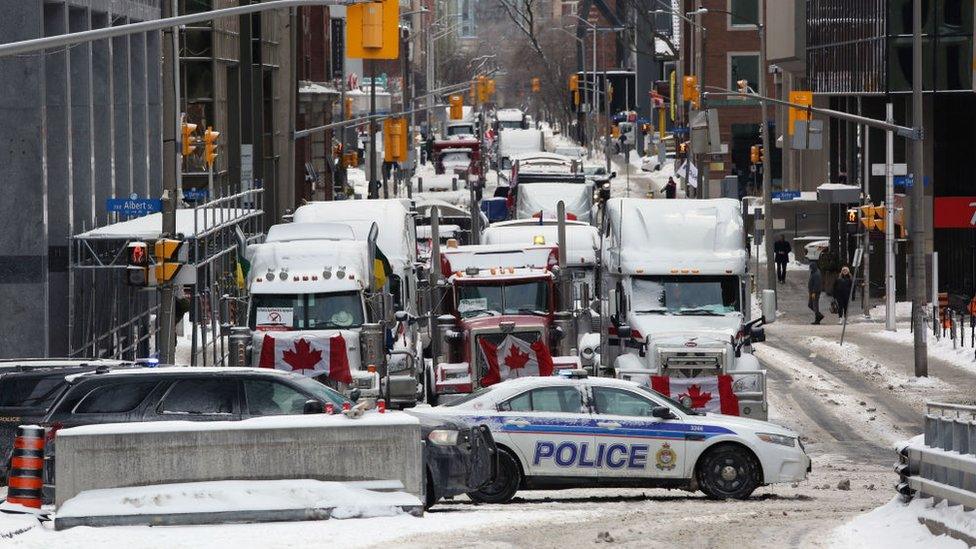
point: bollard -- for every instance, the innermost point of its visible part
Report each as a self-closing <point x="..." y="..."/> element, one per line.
<point x="454" y="183"/>
<point x="26" y="480"/>
<point x="420" y="184"/>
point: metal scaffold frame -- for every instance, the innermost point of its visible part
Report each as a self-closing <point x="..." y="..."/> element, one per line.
<point x="108" y="319"/>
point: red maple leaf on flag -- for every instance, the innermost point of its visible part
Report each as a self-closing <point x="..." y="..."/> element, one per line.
<point x="304" y="357"/>
<point x="698" y="398"/>
<point x="516" y="358"/>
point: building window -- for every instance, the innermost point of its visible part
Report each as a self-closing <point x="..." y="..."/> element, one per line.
<point x="744" y="13"/>
<point x="744" y="66"/>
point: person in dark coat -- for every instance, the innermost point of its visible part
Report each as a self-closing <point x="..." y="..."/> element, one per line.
<point x="670" y="188"/>
<point x="781" y="251"/>
<point x="814" y="287"/>
<point x="842" y="292"/>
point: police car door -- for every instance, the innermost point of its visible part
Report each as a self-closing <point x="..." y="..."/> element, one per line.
<point x="633" y="442"/>
<point x="549" y="429"/>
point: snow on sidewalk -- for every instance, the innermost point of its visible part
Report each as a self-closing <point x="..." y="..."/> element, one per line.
<point x="348" y="534"/>
<point x="896" y="524"/>
<point x="963" y="357"/>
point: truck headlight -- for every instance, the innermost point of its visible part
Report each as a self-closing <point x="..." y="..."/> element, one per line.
<point x="443" y="437"/>
<point x="782" y="440"/>
<point x="748" y="383"/>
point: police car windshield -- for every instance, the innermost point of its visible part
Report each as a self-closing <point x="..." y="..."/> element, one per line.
<point x="326" y="311"/>
<point x="503" y="299"/>
<point x="686" y="295"/>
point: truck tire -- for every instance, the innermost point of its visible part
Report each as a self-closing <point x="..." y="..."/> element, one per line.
<point x="506" y="482"/>
<point x="728" y="472"/>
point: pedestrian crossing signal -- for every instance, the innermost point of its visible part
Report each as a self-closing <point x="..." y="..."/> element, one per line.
<point x="137" y="265"/>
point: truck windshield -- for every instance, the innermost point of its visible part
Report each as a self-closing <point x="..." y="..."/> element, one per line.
<point x="686" y="295"/>
<point x="327" y="311"/>
<point x="460" y="130"/>
<point x="510" y="124"/>
<point x="509" y="299"/>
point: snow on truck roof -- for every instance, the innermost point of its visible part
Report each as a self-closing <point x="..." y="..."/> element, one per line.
<point x="509" y="115"/>
<point x="664" y="236"/>
<point x="307" y="260"/>
<point x="582" y="240"/>
<point x="544" y="197"/>
<point x="489" y="256"/>
<point x="392" y="218"/>
<point x="309" y="231"/>
<point x="514" y="141"/>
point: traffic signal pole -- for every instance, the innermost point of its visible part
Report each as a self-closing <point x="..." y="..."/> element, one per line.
<point x="918" y="207"/>
<point x="767" y="183"/>
<point x="172" y="173"/>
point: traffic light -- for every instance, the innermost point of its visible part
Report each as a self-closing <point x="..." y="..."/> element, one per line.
<point x="576" y="97"/>
<point x="800" y="98"/>
<point x="137" y="264"/>
<point x="395" y="140"/>
<point x="683" y="149"/>
<point x="491" y="87"/>
<point x="852" y="219"/>
<point x="189" y="142"/>
<point x="689" y="89"/>
<point x="482" y="89"/>
<point x="170" y="256"/>
<point x="573" y="82"/>
<point x="756" y="154"/>
<point x="372" y="30"/>
<point x="348" y="108"/>
<point x="536" y="85"/>
<point x="210" y="146"/>
<point x="457" y="107"/>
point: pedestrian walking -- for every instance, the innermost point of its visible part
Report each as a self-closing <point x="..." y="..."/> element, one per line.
<point x="670" y="188"/>
<point x="814" y="287"/>
<point x="781" y="251"/>
<point x="842" y="292"/>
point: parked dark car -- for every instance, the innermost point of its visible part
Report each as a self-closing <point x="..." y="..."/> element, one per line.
<point x="459" y="458"/>
<point x="28" y="388"/>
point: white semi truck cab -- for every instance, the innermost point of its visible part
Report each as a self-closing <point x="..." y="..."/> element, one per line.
<point x="679" y="302"/>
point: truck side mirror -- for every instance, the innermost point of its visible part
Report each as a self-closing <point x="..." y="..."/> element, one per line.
<point x="769" y="306"/>
<point x="355" y="394"/>
<point x="624" y="331"/>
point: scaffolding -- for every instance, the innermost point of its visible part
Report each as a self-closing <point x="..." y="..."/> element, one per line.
<point x="108" y="319"/>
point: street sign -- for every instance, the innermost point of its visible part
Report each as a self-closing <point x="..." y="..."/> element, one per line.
<point x="896" y="169"/>
<point x="133" y="206"/>
<point x="908" y="181"/>
<point x="786" y="195"/>
<point x="195" y="194"/>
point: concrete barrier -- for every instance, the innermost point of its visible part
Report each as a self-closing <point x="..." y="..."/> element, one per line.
<point x="322" y="447"/>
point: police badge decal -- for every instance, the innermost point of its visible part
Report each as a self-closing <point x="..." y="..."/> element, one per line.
<point x="665" y="458"/>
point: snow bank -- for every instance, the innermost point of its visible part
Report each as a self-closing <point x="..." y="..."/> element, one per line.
<point x="963" y="357"/>
<point x="237" y="495"/>
<point x="896" y="524"/>
<point x="270" y="422"/>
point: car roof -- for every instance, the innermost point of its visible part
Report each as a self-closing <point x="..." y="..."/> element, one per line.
<point x="59" y="362"/>
<point x="180" y="370"/>
<point x="532" y="382"/>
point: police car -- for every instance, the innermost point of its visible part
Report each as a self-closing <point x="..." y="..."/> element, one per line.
<point x="573" y="431"/>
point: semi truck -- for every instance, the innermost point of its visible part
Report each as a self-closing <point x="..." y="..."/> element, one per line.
<point x="506" y="310"/>
<point x="678" y="300"/>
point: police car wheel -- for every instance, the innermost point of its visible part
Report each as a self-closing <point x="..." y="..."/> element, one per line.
<point x="728" y="472"/>
<point x="506" y="482"/>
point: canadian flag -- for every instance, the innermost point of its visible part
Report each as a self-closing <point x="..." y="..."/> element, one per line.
<point x="309" y="355"/>
<point x="707" y="394"/>
<point x="514" y="357"/>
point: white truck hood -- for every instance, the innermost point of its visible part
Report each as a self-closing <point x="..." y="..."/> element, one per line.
<point x="678" y="330"/>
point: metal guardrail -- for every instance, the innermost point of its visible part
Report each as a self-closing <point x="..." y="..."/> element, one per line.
<point x="943" y="466"/>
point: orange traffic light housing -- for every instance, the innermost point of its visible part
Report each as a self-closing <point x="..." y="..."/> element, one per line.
<point x="372" y="30"/>
<point x="536" y="85"/>
<point x="756" y="154"/>
<point x="457" y="107"/>
<point x="188" y="141"/>
<point x="348" y="108"/>
<point x="168" y="262"/>
<point x="799" y="98"/>
<point x="689" y="89"/>
<point x="573" y="82"/>
<point x="395" y="140"/>
<point x="210" y="146"/>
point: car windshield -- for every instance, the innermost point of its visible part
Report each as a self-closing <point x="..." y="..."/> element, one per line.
<point x="498" y="299"/>
<point x="32" y="391"/>
<point x="321" y="392"/>
<point x="460" y="130"/>
<point x="327" y="311"/>
<point x="686" y="295"/>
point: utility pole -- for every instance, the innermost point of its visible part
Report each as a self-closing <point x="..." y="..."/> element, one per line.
<point x="700" y="72"/>
<point x="172" y="161"/>
<point x="889" y="224"/>
<point x="373" y="191"/>
<point x="767" y="182"/>
<point x="918" y="197"/>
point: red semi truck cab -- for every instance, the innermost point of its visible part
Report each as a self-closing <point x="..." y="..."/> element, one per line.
<point x="504" y="318"/>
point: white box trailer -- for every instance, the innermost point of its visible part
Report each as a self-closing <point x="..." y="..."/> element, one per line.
<point x="678" y="287"/>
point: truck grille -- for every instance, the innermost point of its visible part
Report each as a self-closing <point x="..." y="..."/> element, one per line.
<point x="496" y="338"/>
<point x="691" y="363"/>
